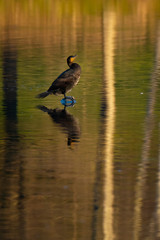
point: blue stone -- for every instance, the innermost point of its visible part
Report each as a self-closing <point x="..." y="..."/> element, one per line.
<point x="69" y="101"/>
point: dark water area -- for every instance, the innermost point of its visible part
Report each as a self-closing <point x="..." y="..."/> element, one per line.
<point x="91" y="171"/>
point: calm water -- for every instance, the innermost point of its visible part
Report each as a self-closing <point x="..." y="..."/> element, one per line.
<point x="92" y="171"/>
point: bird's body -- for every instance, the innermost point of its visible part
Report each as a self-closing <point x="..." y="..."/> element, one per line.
<point x="65" y="81"/>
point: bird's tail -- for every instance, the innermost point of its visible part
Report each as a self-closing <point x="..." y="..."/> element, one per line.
<point x="43" y="95"/>
<point x="43" y="108"/>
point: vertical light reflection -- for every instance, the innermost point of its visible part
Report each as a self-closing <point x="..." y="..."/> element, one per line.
<point x="158" y="184"/>
<point x="149" y="124"/>
<point x="109" y="22"/>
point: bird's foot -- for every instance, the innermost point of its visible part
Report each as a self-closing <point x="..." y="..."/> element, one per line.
<point x="70" y="98"/>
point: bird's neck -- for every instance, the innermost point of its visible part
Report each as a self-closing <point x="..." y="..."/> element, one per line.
<point x="74" y="65"/>
<point x="70" y="64"/>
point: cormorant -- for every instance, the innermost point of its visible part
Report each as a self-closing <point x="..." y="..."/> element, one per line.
<point x="65" y="81"/>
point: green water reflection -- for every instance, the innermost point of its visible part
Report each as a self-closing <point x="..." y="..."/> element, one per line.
<point x="90" y="171"/>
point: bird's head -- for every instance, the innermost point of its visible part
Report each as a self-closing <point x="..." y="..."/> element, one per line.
<point x="70" y="60"/>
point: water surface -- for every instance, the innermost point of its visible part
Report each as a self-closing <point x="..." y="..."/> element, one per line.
<point x="90" y="171"/>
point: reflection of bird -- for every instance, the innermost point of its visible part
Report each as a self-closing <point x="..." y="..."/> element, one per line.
<point x="68" y="122"/>
<point x="65" y="81"/>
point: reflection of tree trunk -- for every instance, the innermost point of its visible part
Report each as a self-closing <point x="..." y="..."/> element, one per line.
<point x="104" y="164"/>
<point x="11" y="185"/>
<point x="155" y="223"/>
<point x="108" y="43"/>
<point x="10" y="91"/>
<point x="149" y="124"/>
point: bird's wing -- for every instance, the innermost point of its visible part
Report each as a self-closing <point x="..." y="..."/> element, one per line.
<point x="64" y="79"/>
<point x="66" y="74"/>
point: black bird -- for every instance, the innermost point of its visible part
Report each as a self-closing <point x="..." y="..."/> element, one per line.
<point x="65" y="81"/>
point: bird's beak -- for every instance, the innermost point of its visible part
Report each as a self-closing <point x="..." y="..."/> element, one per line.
<point x="72" y="58"/>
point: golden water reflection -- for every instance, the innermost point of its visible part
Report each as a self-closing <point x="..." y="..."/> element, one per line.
<point x="90" y="171"/>
<point x="109" y="22"/>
